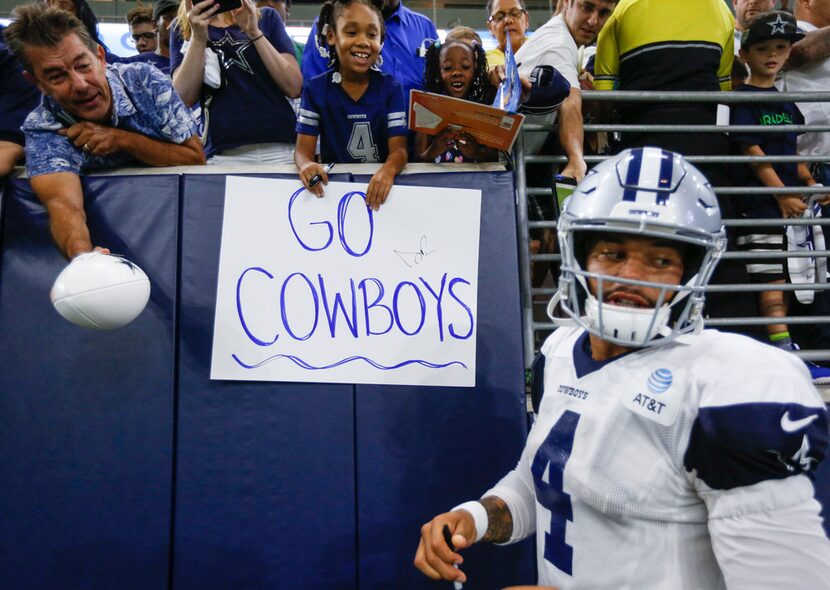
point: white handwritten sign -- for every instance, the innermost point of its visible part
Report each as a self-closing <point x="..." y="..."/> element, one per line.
<point x="328" y="290"/>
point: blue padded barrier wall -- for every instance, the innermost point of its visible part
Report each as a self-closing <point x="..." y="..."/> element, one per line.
<point x="123" y="466"/>
<point x="86" y="417"/>
<point x="265" y="492"/>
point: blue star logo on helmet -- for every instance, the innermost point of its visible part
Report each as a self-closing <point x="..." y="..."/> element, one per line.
<point x="659" y="381"/>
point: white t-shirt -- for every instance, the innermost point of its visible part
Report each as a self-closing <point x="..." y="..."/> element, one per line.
<point x="553" y="45"/>
<point x="815" y="79"/>
<point x="680" y="467"/>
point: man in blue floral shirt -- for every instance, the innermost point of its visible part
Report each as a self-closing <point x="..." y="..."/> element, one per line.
<point x="92" y="116"/>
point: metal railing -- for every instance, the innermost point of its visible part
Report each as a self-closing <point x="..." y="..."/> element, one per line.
<point x="531" y="326"/>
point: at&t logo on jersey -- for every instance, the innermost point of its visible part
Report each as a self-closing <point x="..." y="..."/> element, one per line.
<point x="656" y="403"/>
<point x="659" y="381"/>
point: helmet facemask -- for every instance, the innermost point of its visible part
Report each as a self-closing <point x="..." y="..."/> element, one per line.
<point x="684" y="214"/>
<point x="678" y="307"/>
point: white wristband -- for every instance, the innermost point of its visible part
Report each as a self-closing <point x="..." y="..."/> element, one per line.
<point x="480" y="518"/>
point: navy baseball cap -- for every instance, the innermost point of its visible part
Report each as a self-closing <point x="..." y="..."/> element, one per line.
<point x="548" y="89"/>
<point x="775" y="24"/>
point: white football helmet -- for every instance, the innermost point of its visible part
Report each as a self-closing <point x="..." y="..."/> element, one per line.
<point x="647" y="192"/>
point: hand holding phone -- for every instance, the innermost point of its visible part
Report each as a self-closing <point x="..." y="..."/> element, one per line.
<point x="563" y="187"/>
<point x="199" y="15"/>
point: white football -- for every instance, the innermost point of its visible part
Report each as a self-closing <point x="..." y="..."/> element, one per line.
<point x="100" y="291"/>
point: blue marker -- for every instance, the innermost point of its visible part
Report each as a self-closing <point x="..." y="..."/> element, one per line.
<point x="448" y="539"/>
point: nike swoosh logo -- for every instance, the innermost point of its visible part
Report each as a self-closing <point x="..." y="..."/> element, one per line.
<point x="789" y="425"/>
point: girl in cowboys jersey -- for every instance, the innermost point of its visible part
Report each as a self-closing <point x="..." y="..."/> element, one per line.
<point x="358" y="112"/>
<point x="663" y="456"/>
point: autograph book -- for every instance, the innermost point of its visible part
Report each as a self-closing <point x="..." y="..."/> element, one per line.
<point x="431" y="113"/>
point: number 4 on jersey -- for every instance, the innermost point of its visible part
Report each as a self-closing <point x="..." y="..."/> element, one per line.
<point x="550" y="460"/>
<point x="361" y="147"/>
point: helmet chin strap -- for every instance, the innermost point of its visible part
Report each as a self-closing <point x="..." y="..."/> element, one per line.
<point x="560" y="321"/>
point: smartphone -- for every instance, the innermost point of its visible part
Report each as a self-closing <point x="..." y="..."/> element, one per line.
<point x="563" y="187"/>
<point x="226" y="5"/>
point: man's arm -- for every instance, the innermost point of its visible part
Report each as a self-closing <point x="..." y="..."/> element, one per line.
<point x="813" y="49"/>
<point x="163" y="153"/>
<point x="434" y="557"/>
<point x="510" y="508"/>
<point x="100" y="140"/>
<point x="572" y="135"/>
<point x="10" y="154"/>
<point x="63" y="198"/>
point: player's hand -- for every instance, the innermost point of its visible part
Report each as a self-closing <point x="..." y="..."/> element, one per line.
<point x="199" y="15"/>
<point x="434" y="558"/>
<point x="379" y="188"/>
<point x="92" y="138"/>
<point x="575" y="169"/>
<point x="791" y="205"/>
<point x="309" y="171"/>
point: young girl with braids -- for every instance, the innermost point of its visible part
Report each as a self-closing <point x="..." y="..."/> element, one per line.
<point x="456" y="68"/>
<point x="358" y="112"/>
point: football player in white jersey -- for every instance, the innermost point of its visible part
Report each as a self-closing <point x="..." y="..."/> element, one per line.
<point x="663" y="456"/>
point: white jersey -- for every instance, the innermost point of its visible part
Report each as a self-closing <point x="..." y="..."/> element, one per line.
<point x="678" y="467"/>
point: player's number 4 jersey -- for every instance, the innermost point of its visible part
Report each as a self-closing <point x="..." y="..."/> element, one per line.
<point x="684" y="466"/>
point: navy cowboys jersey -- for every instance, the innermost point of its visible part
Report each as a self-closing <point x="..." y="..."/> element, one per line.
<point x="350" y="131"/>
<point x="685" y="466"/>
